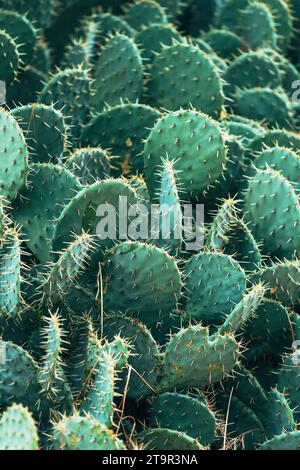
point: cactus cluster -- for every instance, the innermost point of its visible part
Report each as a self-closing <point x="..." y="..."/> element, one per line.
<point x="130" y="343"/>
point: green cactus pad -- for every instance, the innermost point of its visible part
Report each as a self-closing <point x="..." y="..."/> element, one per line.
<point x="52" y="343"/>
<point x="186" y="414"/>
<point x="42" y="57"/>
<point x="21" y="30"/>
<point x="118" y="73"/>
<point x="69" y="90"/>
<point x="276" y="137"/>
<point x="246" y="308"/>
<point x="81" y="212"/>
<point x="18" y="430"/>
<point x="247" y="389"/>
<point x="18" y="378"/>
<point x="268" y="333"/>
<point x="130" y="286"/>
<point x="152" y="39"/>
<point x="105" y="25"/>
<point x="289" y="73"/>
<point x="180" y="136"/>
<point x="63" y="273"/>
<point x="77" y="54"/>
<point x="282" y="160"/>
<point x="283" y="280"/>
<point x="172" y="7"/>
<point x="10" y="274"/>
<point x="192" y="359"/>
<point x="178" y="77"/>
<point x="26" y="89"/>
<point x="225" y="43"/>
<point x="89" y="165"/>
<point x="225" y="217"/>
<point x="45" y="131"/>
<point x="84" y="433"/>
<point x="265" y="105"/>
<point x="2" y="218"/>
<point x="282" y="15"/>
<point x="10" y="58"/>
<point x="286" y="441"/>
<point x="250" y="70"/>
<point x="242" y="246"/>
<point x="145" y="360"/>
<point x="122" y="129"/>
<point x="144" y="13"/>
<point x="119" y="350"/>
<point x="289" y="380"/>
<point x="99" y="400"/>
<point x="270" y="199"/>
<point x="171" y="217"/>
<point x="50" y="188"/>
<point x="40" y="12"/>
<point x="13" y="156"/>
<point x="279" y="417"/>
<point x="229" y="11"/>
<point x="207" y="275"/>
<point x="256" y="26"/>
<point x="243" y="128"/>
<point x="244" y="425"/>
<point x="167" y="439"/>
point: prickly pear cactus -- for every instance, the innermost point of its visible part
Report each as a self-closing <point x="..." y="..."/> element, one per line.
<point x="149" y="225"/>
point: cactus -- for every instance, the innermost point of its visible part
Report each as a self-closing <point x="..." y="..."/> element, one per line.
<point x="63" y="273"/>
<point x="17" y="421"/>
<point x="264" y="105"/>
<point x="45" y="130"/>
<point x="225" y="43"/>
<point x="277" y="239"/>
<point x="257" y="17"/>
<point x="193" y="359"/>
<point x="172" y="94"/>
<point x="84" y="433"/>
<point x="143" y="13"/>
<point x="122" y="129"/>
<point x="185" y="414"/>
<point x="129" y="270"/>
<point x="280" y="159"/>
<point x="49" y="188"/>
<point x="124" y="71"/>
<point x="10" y="274"/>
<point x="183" y="134"/>
<point x="69" y="89"/>
<point x="166" y="440"/>
<point x="145" y="360"/>
<point x="283" y="280"/>
<point x="285" y="441"/>
<point x="118" y="120"/>
<point x="240" y="72"/>
<point x="153" y="38"/>
<point x="13" y="156"/>
<point x="80" y="214"/>
<point x="268" y="333"/>
<point x="89" y="165"/>
<point x="207" y="274"/>
<point x="10" y="58"/>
